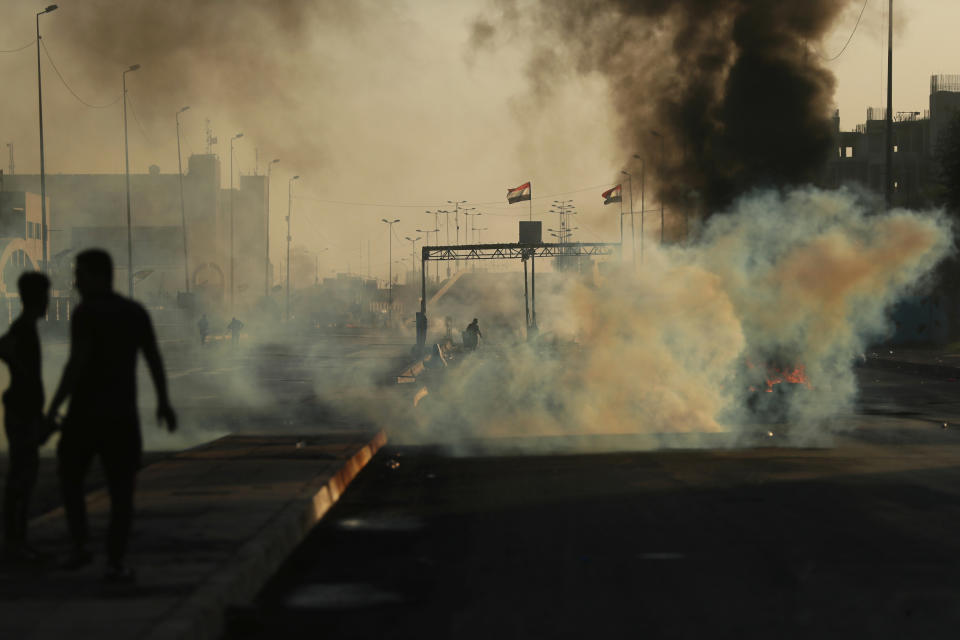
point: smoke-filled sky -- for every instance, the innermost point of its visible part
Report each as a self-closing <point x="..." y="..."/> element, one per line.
<point x="374" y="102"/>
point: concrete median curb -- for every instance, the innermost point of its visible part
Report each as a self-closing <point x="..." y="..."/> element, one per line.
<point x="200" y="616"/>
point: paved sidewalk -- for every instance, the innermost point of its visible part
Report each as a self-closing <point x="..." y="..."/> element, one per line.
<point x="213" y="524"/>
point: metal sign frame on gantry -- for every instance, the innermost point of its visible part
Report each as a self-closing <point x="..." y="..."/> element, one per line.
<point x="512" y="251"/>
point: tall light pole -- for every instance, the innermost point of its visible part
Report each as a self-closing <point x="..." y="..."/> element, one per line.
<point x="446" y="215"/>
<point x="126" y="157"/>
<point x="436" y="238"/>
<point x="477" y="231"/>
<point x="390" y="224"/>
<point x="456" y="214"/>
<point x="413" y="254"/>
<point x="43" y="174"/>
<point x="660" y="135"/>
<point x="239" y="135"/>
<point x="289" y="237"/>
<point x="183" y="213"/>
<point x="469" y="215"/>
<point x="266" y="263"/>
<point x="633" y="232"/>
<point x="888" y="170"/>
<point x="643" y="199"/>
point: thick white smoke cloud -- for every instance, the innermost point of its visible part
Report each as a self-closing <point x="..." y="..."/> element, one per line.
<point x="802" y="278"/>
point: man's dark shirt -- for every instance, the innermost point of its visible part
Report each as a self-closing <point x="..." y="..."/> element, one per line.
<point x="20" y="349"/>
<point x="107" y="331"/>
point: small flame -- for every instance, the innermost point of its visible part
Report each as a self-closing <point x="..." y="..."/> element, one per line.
<point x="776" y="376"/>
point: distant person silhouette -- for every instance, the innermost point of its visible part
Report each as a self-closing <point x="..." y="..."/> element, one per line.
<point x="234" y="327"/>
<point x="107" y="331"/>
<point x="203" y="327"/>
<point x="472" y="335"/>
<point x="23" y="413"/>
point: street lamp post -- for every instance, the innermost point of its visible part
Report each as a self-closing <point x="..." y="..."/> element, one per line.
<point x="239" y="135"/>
<point x="456" y="216"/>
<point x="266" y="259"/>
<point x="289" y="237"/>
<point x="477" y="231"/>
<point x="390" y="224"/>
<point x="43" y="175"/>
<point x="126" y="157"/>
<point x="436" y="238"/>
<point x="643" y="198"/>
<point x="446" y="215"/>
<point x="183" y="212"/>
<point x="633" y="232"/>
<point x="660" y="135"/>
<point x="413" y="254"/>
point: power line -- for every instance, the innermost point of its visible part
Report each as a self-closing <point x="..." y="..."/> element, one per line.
<point x="72" y="92"/>
<point x="29" y="44"/>
<point x="137" y="120"/>
<point x="847" y="43"/>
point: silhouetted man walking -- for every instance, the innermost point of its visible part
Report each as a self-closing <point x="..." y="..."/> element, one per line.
<point x="107" y="332"/>
<point x="472" y="335"/>
<point x="23" y="412"/>
<point x="234" y="327"/>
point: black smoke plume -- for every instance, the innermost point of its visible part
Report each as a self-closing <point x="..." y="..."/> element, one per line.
<point x="734" y="87"/>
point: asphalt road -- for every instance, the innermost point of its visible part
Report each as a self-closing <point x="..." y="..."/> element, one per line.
<point x="859" y="540"/>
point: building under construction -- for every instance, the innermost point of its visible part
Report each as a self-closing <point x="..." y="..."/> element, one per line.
<point x="859" y="154"/>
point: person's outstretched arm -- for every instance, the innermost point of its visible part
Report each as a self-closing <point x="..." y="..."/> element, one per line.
<point x="151" y="353"/>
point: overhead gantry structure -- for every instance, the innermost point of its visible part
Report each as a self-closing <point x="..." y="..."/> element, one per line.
<point x="526" y="252"/>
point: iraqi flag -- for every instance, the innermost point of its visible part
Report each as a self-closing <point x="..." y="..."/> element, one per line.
<point x="612" y="195"/>
<point x="519" y="194"/>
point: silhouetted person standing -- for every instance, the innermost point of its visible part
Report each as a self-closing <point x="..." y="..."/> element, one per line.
<point x="472" y="335"/>
<point x="23" y="412"/>
<point x="203" y="327"/>
<point x="107" y="332"/>
<point x="234" y="327"/>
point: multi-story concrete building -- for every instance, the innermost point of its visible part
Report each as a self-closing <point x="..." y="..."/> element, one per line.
<point x="860" y="157"/>
<point x="87" y="210"/>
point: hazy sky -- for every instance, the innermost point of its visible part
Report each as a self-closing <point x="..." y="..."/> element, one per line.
<point x="371" y="102"/>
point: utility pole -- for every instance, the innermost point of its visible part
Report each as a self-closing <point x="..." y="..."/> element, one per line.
<point x="633" y="231"/>
<point x="413" y="254"/>
<point x="446" y="215"/>
<point x="289" y="237"/>
<point x="889" y="151"/>
<point x="390" y="224"/>
<point x="266" y="244"/>
<point x="183" y="213"/>
<point x="126" y="159"/>
<point x="239" y="135"/>
<point x="662" y="164"/>
<point x="10" y="149"/>
<point x="43" y="175"/>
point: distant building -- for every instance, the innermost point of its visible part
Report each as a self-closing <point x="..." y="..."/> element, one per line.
<point x="88" y="210"/>
<point x="860" y="154"/>
<point x="21" y="247"/>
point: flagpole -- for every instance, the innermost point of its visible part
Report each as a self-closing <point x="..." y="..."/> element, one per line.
<point x="531" y="200"/>
<point x="643" y="187"/>
<point x="621" y="227"/>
